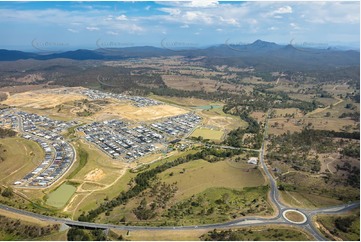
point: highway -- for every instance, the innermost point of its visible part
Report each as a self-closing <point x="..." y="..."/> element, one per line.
<point x="307" y="225"/>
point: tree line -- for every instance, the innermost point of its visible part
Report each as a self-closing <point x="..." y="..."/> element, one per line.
<point x="144" y="180"/>
<point x="23" y="231"/>
<point x="235" y="137"/>
<point x="4" y="133"/>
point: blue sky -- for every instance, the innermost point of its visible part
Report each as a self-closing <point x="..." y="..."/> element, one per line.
<point x="58" y="26"/>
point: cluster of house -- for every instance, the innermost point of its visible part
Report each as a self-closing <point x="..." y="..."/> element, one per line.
<point x="59" y="155"/>
<point x="178" y="125"/>
<point x="118" y="140"/>
<point x="8" y="120"/>
<point x="136" y="100"/>
<point x="43" y="126"/>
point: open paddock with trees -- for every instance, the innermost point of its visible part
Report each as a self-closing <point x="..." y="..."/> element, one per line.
<point x="275" y="233"/>
<point x="344" y="226"/>
<point x="155" y="189"/>
<point x="301" y="162"/>
<point x="18" y="157"/>
<point x="206" y="133"/>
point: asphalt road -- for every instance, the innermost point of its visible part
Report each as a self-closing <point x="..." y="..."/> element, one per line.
<point x="248" y="221"/>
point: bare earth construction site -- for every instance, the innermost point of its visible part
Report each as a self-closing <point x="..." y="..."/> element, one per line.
<point x="139" y="134"/>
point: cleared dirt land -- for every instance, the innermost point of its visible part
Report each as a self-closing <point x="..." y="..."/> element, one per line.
<point x="216" y="117"/>
<point x="40" y="100"/>
<point x="182" y="101"/>
<point x="133" y="113"/>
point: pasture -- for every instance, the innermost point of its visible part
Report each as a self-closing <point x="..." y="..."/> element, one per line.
<point x="196" y="176"/>
<point x="351" y="223"/>
<point x="188" y="83"/>
<point x="217" y="118"/>
<point x="253" y="233"/>
<point x="284" y="112"/>
<point x="205" y="133"/>
<point x="21" y="156"/>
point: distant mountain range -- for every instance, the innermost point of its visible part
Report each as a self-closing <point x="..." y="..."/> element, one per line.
<point x="258" y="53"/>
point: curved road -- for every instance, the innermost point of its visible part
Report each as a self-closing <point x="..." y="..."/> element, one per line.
<point x="248" y="221"/>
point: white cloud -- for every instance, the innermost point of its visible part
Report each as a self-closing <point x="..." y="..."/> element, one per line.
<point x="192" y="4"/>
<point x="121" y="17"/>
<point x="332" y="12"/>
<point x="230" y="21"/>
<point x="267" y="18"/>
<point x="73" y="30"/>
<point x="283" y="10"/>
<point x="92" y="28"/>
<point x="171" y="11"/>
<point x="112" y="33"/>
<point x="109" y="18"/>
<point x="294" y="26"/>
<point x="197" y="16"/>
<point x="273" y="28"/>
<point x="203" y="3"/>
<point x="76" y="24"/>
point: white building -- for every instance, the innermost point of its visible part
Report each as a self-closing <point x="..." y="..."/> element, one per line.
<point x="253" y="160"/>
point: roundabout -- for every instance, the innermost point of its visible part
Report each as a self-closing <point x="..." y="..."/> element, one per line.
<point x="294" y="216"/>
<point x="285" y="215"/>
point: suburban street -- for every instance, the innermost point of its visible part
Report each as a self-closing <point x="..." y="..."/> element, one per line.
<point x="279" y="219"/>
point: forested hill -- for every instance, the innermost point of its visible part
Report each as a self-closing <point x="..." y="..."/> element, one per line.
<point x="260" y="54"/>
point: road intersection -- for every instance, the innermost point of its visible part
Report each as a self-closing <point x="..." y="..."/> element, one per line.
<point x="280" y="219"/>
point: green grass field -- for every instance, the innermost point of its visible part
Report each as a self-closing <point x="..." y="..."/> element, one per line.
<point x="196" y="176"/>
<point x="83" y="159"/>
<point x="206" y="133"/>
<point x="94" y="199"/>
<point x="199" y="178"/>
<point x="61" y="195"/>
<point x="217" y="204"/>
<point x="21" y="156"/>
<point x="303" y="199"/>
